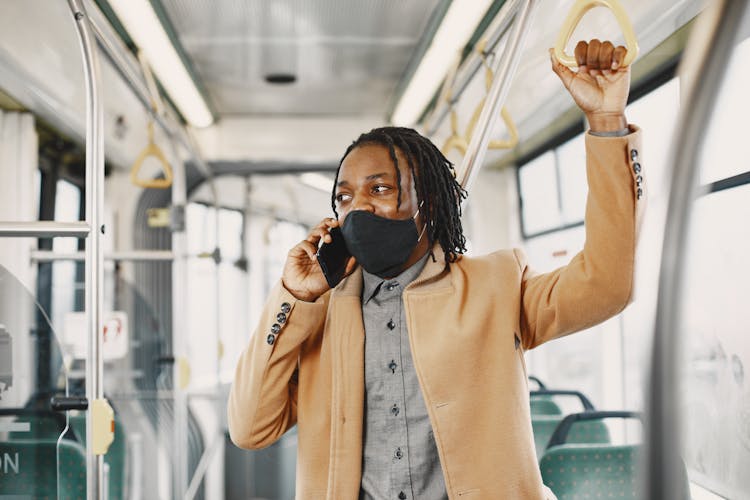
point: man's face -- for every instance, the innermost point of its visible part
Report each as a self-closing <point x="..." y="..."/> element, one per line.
<point x="367" y="181"/>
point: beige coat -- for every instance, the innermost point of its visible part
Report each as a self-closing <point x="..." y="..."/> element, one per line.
<point x="469" y="324"/>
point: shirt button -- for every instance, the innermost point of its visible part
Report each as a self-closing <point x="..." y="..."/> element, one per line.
<point x="637" y="168"/>
<point x="399" y="454"/>
<point x="285" y="307"/>
<point x="402" y="496"/>
<point x="634" y="154"/>
<point x="391" y="325"/>
<point x="276" y="328"/>
<point x="392" y="366"/>
<point x="391" y="286"/>
<point x="394" y="410"/>
<point x="270" y="339"/>
<point x="639" y="193"/>
<point x="281" y="318"/>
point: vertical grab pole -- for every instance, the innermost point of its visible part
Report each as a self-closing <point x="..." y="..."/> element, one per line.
<point x="180" y="278"/>
<point x="94" y="254"/>
<point x="710" y="55"/>
<point x="497" y="94"/>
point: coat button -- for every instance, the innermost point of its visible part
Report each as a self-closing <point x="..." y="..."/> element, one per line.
<point x="270" y="339"/>
<point x="402" y="496"/>
<point x="638" y="180"/>
<point x="399" y="454"/>
<point x="392" y="366"/>
<point x="633" y="154"/>
<point x="276" y="328"/>
<point x="639" y="193"/>
<point x="637" y="168"/>
<point x="285" y="307"/>
<point x="391" y="325"/>
<point x="281" y="318"/>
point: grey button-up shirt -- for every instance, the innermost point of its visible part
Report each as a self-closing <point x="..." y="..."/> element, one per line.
<point x="400" y="458"/>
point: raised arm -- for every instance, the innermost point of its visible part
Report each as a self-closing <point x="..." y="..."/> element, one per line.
<point x="598" y="281"/>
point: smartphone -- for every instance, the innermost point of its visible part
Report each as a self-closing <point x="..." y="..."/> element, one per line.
<point x="333" y="257"/>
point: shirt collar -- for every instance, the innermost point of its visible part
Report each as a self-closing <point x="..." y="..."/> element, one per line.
<point x="372" y="283"/>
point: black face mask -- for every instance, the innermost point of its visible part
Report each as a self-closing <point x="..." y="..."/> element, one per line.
<point x="381" y="246"/>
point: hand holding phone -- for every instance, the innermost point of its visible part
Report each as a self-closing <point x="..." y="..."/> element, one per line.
<point x="333" y="257"/>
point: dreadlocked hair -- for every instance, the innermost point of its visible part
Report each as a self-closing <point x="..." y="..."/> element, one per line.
<point x="438" y="193"/>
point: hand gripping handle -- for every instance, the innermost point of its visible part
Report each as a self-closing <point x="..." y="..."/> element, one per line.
<point x="575" y="15"/>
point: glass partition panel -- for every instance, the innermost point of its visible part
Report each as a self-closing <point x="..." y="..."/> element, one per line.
<point x="42" y="452"/>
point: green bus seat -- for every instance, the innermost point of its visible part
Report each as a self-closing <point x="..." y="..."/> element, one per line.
<point x="590" y="469"/>
<point x="575" y="471"/>
<point x="115" y="457"/>
<point x="38" y="463"/>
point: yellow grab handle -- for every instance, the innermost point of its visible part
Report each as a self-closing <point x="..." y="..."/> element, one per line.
<point x="461" y="143"/>
<point x="102" y="425"/>
<point x="575" y="15"/>
<point x="151" y="149"/>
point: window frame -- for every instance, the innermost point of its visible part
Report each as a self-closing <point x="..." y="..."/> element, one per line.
<point x="650" y="83"/>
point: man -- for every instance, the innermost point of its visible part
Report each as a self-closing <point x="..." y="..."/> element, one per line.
<point x="408" y="379"/>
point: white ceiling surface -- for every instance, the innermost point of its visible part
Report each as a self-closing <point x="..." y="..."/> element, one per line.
<point x="348" y="56"/>
<point x="305" y="139"/>
<point x="40" y="67"/>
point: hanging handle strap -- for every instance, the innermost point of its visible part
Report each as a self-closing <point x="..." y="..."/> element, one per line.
<point x="579" y="9"/>
<point x="151" y="150"/>
<point x="461" y="142"/>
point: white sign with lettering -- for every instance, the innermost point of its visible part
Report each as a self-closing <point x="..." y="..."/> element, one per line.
<point x="115" y="334"/>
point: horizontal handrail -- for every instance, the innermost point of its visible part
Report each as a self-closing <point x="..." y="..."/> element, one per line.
<point x="561" y="432"/>
<point x="538" y="382"/>
<point x="44" y="229"/>
<point x="587" y="405"/>
<point x="127" y="255"/>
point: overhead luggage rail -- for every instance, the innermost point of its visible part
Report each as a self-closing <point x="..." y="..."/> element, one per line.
<point x="44" y="229"/>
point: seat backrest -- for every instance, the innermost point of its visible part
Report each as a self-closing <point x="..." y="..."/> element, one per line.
<point x="591" y="431"/>
<point x="542" y="405"/>
<point x="39" y="467"/>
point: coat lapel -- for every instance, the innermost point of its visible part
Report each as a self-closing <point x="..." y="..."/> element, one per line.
<point x="347" y="337"/>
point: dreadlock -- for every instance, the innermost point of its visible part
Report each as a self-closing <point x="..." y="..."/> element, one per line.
<point x="435" y="181"/>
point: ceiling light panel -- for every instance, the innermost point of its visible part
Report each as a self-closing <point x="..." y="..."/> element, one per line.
<point x="147" y="32"/>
